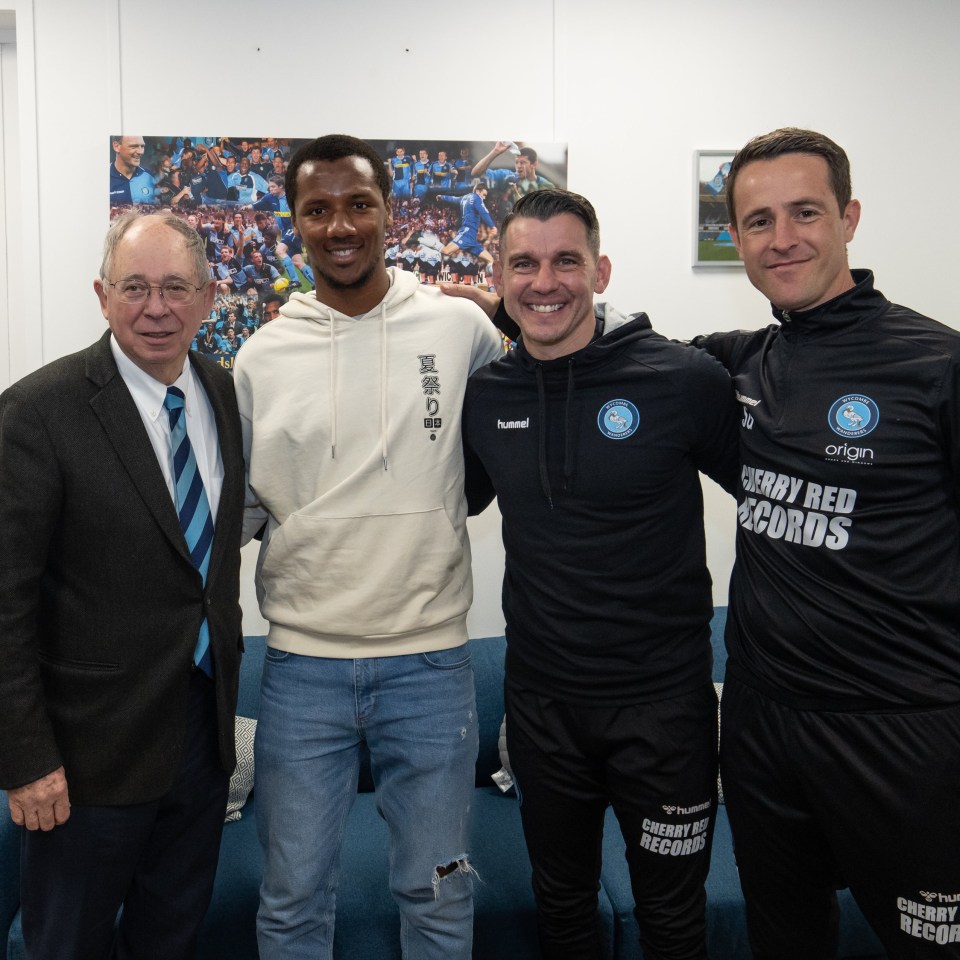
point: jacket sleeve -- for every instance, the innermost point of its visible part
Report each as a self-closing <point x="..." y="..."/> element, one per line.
<point x="30" y="495"/>
<point x="727" y="346"/>
<point x="949" y="424"/>
<point x="717" y="445"/>
<point x="505" y="323"/>
<point x="477" y="484"/>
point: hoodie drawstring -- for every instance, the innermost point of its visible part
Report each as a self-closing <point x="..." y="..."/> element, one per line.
<point x="383" y="383"/>
<point x="306" y="307"/>
<point x="333" y="386"/>
<point x="542" y="436"/>
<point x="567" y="431"/>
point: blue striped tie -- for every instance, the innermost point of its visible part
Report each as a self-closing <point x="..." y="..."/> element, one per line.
<point x="194" y="510"/>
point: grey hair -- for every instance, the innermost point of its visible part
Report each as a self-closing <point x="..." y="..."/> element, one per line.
<point x="192" y="240"/>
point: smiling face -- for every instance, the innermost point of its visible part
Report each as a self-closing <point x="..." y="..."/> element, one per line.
<point x="342" y="218"/>
<point x="790" y="231"/>
<point x="129" y="151"/>
<point x="547" y="275"/>
<point x="154" y="334"/>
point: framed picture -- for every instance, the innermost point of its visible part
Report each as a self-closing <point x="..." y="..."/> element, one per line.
<point x="712" y="242"/>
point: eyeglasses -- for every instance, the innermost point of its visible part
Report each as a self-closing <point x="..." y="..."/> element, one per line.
<point x="177" y="292"/>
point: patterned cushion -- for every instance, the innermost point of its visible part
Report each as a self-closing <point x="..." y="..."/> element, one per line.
<point x="503" y="778"/>
<point x="241" y="781"/>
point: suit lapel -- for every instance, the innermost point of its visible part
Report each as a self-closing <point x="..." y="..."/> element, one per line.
<point x="120" y="419"/>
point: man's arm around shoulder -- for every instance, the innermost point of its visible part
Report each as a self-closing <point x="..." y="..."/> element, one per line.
<point x="717" y="413"/>
<point x="488" y="301"/>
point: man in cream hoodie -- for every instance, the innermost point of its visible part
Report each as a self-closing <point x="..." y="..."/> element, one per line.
<point x="350" y="405"/>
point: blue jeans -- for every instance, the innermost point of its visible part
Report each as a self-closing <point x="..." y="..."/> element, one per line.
<point x="417" y="714"/>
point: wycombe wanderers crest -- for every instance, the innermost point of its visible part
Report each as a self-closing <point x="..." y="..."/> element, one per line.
<point x="853" y="416"/>
<point x="618" y="419"/>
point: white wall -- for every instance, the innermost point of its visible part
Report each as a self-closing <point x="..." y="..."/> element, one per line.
<point x="634" y="87"/>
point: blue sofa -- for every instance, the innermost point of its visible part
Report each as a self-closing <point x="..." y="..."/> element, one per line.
<point x="505" y="927"/>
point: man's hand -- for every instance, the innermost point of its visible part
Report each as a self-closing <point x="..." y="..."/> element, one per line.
<point x="43" y="804"/>
<point x="485" y="299"/>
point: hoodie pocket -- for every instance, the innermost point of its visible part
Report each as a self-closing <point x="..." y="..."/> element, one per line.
<point x="365" y="576"/>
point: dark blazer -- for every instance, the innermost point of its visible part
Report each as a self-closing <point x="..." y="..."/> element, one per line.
<point x="99" y="602"/>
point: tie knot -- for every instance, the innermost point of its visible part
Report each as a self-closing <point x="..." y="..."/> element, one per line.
<point x="174" y="400"/>
<point x="174" y="404"/>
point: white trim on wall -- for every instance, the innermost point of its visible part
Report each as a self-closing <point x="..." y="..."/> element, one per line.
<point x="22" y="216"/>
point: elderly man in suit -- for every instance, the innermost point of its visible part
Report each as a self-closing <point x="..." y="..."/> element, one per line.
<point x="120" y="639"/>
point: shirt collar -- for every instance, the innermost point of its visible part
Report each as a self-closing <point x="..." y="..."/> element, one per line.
<point x="147" y="392"/>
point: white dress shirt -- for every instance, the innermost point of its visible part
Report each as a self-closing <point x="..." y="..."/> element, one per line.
<point x="148" y="395"/>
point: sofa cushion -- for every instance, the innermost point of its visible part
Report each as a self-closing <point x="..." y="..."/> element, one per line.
<point x="718" y="626"/>
<point x="251" y="666"/>
<point x="503" y="778"/>
<point x="241" y="780"/>
<point x="487" y="655"/>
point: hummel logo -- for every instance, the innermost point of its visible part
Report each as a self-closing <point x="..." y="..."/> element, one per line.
<point x="513" y="424"/>
<point x="748" y="400"/>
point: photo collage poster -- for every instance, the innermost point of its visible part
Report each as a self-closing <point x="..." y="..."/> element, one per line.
<point x="447" y="201"/>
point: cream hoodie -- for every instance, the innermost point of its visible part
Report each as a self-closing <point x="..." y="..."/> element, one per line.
<point x="351" y="429"/>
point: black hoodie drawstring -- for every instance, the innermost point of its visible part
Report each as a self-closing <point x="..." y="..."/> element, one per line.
<point x="542" y="435"/>
<point x="567" y="431"/>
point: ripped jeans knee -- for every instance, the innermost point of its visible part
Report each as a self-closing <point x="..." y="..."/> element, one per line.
<point x="460" y="866"/>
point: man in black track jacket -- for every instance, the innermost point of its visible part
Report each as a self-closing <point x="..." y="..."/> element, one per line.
<point x="591" y="433"/>
<point x="841" y="712"/>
